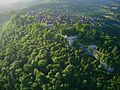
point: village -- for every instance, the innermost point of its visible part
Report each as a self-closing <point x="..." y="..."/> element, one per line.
<point x="55" y="18"/>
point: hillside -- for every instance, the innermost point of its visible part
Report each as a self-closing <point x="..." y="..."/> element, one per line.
<point x="52" y="51"/>
<point x="61" y="44"/>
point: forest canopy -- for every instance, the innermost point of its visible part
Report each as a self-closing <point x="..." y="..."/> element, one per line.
<point x="35" y="54"/>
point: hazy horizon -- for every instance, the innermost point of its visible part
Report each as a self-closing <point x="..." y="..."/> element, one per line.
<point x="9" y="5"/>
<point x="8" y="2"/>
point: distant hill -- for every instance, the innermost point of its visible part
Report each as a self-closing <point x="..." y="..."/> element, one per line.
<point x="80" y="7"/>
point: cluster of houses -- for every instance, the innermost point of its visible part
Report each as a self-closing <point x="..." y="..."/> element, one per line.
<point x="50" y="20"/>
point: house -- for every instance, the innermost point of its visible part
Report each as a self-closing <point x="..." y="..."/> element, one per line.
<point x="81" y="20"/>
<point x="50" y="24"/>
<point x="70" y="39"/>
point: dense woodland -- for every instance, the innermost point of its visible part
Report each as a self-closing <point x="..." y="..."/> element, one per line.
<point x="34" y="55"/>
